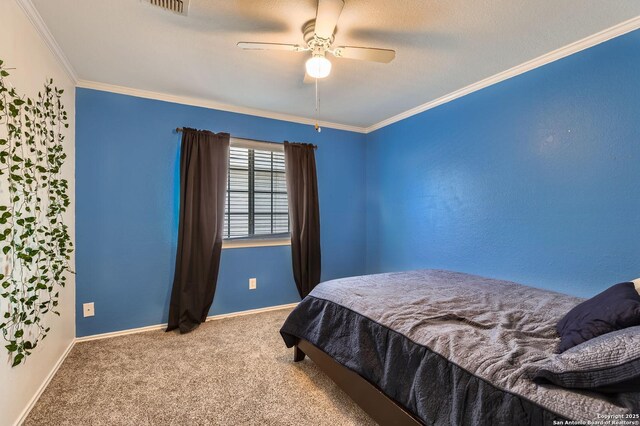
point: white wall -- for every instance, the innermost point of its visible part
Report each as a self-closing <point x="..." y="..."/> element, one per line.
<point x="22" y="48"/>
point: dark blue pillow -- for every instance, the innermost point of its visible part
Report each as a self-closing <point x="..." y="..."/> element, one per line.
<point x="615" y="308"/>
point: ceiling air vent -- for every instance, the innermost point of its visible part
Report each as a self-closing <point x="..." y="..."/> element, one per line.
<point x="177" y="6"/>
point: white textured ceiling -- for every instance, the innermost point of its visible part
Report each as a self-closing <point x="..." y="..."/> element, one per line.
<point x="441" y="46"/>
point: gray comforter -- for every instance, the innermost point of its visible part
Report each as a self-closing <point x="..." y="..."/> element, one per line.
<point x="492" y="329"/>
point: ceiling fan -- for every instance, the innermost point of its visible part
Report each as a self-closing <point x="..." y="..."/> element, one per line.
<point x="319" y="36"/>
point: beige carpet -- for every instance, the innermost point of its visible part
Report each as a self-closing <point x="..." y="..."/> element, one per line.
<point x="234" y="371"/>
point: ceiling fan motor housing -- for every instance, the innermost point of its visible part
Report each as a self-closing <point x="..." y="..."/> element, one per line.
<point x="316" y="44"/>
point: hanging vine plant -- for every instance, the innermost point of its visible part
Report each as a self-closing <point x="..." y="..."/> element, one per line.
<point x="34" y="240"/>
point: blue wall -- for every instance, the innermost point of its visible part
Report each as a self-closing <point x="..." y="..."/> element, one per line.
<point x="535" y="179"/>
<point x="127" y="186"/>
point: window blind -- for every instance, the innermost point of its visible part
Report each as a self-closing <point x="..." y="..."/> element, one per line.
<point x="257" y="203"/>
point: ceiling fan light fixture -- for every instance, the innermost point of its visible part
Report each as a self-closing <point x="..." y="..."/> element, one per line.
<point x="318" y="66"/>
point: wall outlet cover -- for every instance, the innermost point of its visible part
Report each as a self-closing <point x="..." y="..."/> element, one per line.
<point x="88" y="309"/>
<point x="253" y="282"/>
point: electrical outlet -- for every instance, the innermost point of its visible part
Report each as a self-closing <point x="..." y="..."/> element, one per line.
<point x="88" y="309"/>
<point x="253" y="282"/>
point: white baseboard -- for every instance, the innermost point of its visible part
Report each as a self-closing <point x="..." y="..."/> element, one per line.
<point x="43" y="386"/>
<point x="161" y="326"/>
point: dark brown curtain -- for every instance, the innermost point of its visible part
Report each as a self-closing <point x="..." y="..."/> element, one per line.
<point x="203" y="184"/>
<point x="304" y="212"/>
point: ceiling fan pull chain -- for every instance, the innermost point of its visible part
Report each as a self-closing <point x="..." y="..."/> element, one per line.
<point x="317" y="126"/>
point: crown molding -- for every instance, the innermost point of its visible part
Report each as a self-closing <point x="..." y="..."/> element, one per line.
<point x="205" y="103"/>
<point x="38" y="23"/>
<point x="570" y="49"/>
<point x="575" y="47"/>
<point x="36" y="20"/>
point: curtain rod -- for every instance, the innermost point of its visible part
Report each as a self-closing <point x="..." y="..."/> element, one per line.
<point x="179" y="130"/>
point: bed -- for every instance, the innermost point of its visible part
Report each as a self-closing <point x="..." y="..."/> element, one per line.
<point x="441" y="347"/>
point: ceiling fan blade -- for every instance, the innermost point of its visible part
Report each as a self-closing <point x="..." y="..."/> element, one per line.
<point x="308" y="79"/>
<point x="365" y="54"/>
<point x="270" y="46"/>
<point x="327" y="17"/>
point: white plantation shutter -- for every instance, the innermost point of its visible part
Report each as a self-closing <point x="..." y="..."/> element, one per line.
<point x="256" y="191"/>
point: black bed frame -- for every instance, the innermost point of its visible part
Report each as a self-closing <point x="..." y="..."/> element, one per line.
<point x="376" y="404"/>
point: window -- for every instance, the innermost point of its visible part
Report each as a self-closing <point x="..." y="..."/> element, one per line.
<point x="256" y="205"/>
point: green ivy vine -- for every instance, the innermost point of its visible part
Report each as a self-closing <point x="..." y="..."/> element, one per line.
<point x="34" y="240"/>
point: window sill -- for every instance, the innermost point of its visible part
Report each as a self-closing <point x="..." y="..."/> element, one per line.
<point x="256" y="242"/>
